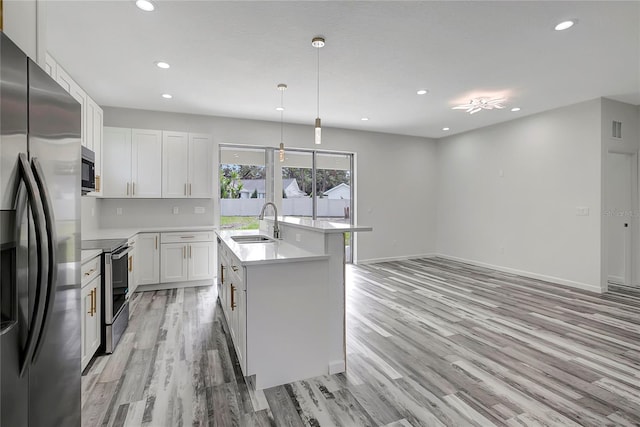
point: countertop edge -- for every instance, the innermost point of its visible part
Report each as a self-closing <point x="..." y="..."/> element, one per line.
<point x="346" y="229"/>
<point x="129" y="232"/>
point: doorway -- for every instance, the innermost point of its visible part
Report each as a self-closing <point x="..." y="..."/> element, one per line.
<point x="621" y="218"/>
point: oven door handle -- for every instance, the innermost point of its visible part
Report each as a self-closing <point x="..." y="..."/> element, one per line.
<point x="121" y="253"/>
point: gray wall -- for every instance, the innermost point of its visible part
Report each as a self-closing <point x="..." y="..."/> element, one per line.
<point x="396" y="178"/>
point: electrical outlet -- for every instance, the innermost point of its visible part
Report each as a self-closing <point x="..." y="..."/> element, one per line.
<point x="198" y="210"/>
<point x="298" y="237"/>
<point x="118" y="211"/>
<point x="176" y="210"/>
<point x="93" y="211"/>
<point x="582" y="211"/>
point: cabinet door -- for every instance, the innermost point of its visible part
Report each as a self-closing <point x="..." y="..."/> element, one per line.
<point x="200" y="166"/>
<point x="240" y="322"/>
<point x="148" y="259"/>
<point x="81" y="96"/>
<point x="97" y="147"/>
<point x="116" y="162"/>
<point x="90" y="321"/>
<point x="50" y="66"/>
<point x="95" y="320"/>
<point x="201" y="258"/>
<point x="64" y="79"/>
<point x="173" y="264"/>
<point x="175" y="162"/>
<point x="146" y="163"/>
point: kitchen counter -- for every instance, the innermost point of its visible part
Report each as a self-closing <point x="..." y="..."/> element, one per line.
<point x="319" y="225"/>
<point x="89" y="254"/>
<point x="126" y="233"/>
<point x="274" y="251"/>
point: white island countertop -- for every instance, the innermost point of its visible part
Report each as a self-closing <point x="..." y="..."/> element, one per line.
<point x="319" y="225"/>
<point x="274" y="251"/>
<point x="126" y="233"/>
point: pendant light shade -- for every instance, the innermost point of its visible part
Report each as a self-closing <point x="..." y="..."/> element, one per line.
<point x="318" y="43"/>
<point x="281" y="87"/>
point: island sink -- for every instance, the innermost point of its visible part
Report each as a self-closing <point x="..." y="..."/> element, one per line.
<point x="258" y="238"/>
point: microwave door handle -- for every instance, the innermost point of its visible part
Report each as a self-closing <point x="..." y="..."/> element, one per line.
<point x="52" y="238"/>
<point x="42" y="247"/>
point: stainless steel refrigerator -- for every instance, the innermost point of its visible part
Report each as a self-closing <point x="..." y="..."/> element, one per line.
<point x="39" y="246"/>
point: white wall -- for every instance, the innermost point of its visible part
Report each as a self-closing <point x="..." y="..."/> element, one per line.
<point x="396" y="175"/>
<point x="507" y="195"/>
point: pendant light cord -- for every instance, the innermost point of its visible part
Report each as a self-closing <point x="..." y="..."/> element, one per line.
<point x="318" y="85"/>
<point x="281" y="116"/>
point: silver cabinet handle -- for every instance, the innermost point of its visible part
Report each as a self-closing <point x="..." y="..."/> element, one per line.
<point x="127" y="188"/>
<point x="185" y="188"/>
<point x="133" y="192"/>
<point x="189" y="188"/>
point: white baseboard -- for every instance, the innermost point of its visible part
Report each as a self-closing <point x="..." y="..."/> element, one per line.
<point x="174" y="285"/>
<point x="396" y="258"/>
<point x="615" y="280"/>
<point x="565" y="282"/>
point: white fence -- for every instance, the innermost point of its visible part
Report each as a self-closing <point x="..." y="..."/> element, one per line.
<point x="300" y="206"/>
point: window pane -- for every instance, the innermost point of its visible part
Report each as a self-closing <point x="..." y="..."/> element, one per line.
<point x="243" y="186"/>
<point x="297" y="184"/>
<point x="333" y="187"/>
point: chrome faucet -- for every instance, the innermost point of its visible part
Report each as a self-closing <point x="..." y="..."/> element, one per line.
<point x="276" y="228"/>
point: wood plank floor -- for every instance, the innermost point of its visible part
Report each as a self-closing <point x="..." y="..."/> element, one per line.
<point x="430" y="343"/>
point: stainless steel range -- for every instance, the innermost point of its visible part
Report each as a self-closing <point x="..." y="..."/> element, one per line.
<point x="115" y="289"/>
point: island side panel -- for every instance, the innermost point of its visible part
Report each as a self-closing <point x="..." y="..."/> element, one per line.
<point x="334" y="247"/>
<point x="287" y="330"/>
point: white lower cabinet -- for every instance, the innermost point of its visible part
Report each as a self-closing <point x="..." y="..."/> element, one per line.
<point x="186" y="256"/>
<point x="147" y="263"/>
<point x="174" y="262"/>
<point x="233" y="298"/>
<point x="91" y="296"/>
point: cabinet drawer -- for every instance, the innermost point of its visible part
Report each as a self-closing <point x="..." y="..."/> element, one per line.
<point x="182" y="237"/>
<point x="90" y="270"/>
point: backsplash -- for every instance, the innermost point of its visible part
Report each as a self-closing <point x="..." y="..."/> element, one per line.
<point x="126" y="213"/>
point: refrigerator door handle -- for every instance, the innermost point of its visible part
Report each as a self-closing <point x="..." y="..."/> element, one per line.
<point x="52" y="276"/>
<point x="42" y="245"/>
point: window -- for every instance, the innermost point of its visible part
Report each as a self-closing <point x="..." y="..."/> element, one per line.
<point x="313" y="184"/>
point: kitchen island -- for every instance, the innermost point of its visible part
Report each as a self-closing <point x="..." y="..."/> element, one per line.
<point x="284" y="299"/>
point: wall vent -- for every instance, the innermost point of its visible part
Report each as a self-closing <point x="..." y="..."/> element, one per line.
<point x="616" y="129"/>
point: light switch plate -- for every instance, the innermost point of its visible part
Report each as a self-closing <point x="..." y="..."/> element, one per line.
<point x="582" y="211"/>
<point x="118" y="211"/>
<point x="198" y="210"/>
<point x="176" y="210"/>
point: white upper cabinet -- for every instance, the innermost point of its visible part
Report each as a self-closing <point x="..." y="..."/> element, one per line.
<point x="200" y="166"/>
<point x="175" y="164"/>
<point x="51" y="66"/>
<point x="187" y="165"/>
<point x="132" y="163"/>
<point x="116" y="162"/>
<point x="94" y="126"/>
<point x="91" y="121"/>
<point x="146" y="163"/>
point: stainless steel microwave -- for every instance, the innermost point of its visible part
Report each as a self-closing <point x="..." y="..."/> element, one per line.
<point x="88" y="171"/>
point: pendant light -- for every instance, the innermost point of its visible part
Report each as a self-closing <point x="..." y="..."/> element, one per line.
<point x="318" y="43"/>
<point x="281" y="87"/>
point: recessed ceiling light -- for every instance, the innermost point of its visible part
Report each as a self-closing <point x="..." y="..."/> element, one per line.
<point x="514" y="109"/>
<point x="162" y="64"/>
<point x="422" y="92"/>
<point x="365" y="119"/>
<point x="445" y="128"/>
<point x="279" y="108"/>
<point x="145" y="5"/>
<point x="167" y="96"/>
<point x="565" y="25"/>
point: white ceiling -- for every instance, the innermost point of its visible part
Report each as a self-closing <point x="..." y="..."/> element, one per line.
<point x="227" y="58"/>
